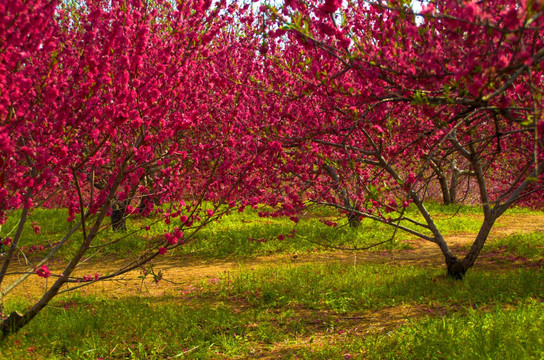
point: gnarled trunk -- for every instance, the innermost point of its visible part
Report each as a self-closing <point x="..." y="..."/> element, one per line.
<point x="458" y="268"/>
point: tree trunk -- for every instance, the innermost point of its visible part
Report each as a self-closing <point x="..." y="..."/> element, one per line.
<point x="454" y="184"/>
<point x="443" y="181"/>
<point x="15" y="321"/>
<point x="353" y="216"/>
<point x="446" y="194"/>
<point x="479" y="243"/>
<point x="12" y="323"/>
<point x="458" y="268"/>
<point x="118" y="219"/>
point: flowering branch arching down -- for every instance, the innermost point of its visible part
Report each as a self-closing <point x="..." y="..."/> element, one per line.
<point x="103" y="103"/>
<point x="384" y="96"/>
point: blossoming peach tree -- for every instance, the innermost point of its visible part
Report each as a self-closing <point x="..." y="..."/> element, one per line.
<point x="118" y="106"/>
<point x="371" y="96"/>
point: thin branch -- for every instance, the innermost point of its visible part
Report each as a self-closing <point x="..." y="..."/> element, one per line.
<point x="81" y="205"/>
<point x="43" y="261"/>
<point x="375" y="218"/>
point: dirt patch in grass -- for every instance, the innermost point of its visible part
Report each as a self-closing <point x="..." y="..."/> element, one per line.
<point x="182" y="272"/>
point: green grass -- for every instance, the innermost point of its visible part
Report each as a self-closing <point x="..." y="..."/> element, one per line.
<point x="453" y="209"/>
<point x="435" y="207"/>
<point x="527" y="246"/>
<point x="494" y="334"/>
<point x="299" y="311"/>
<point x="231" y="237"/>
<point x="319" y="310"/>
<point x="53" y="228"/>
<point x="238" y="234"/>
<point x="523" y="249"/>
<point x="342" y="288"/>
<point x="91" y="327"/>
<point x="243" y="234"/>
<point x="246" y="234"/>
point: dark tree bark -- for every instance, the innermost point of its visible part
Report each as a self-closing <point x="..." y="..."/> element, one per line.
<point x="342" y="194"/>
<point x="16" y="321"/>
<point x="118" y="219"/>
<point x="449" y="189"/>
<point x="443" y="181"/>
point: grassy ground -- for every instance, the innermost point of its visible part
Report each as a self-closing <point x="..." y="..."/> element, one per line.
<point x="243" y="234"/>
<point x="322" y="310"/>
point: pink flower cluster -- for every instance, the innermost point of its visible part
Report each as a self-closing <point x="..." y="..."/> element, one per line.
<point x="43" y="271"/>
<point x="94" y="277"/>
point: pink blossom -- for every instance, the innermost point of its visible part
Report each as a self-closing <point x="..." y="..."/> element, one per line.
<point x="275" y="146"/>
<point x="178" y="234"/>
<point x="391" y="206"/>
<point x="5" y="141"/>
<point x="171" y="239"/>
<point x="162" y="250"/>
<point x="411" y="179"/>
<point x="330" y="6"/>
<point x="330" y="223"/>
<point x="36" y="227"/>
<point x="378" y="129"/>
<point x="540" y="128"/>
<point x="510" y="18"/>
<point x="427" y="9"/>
<point x="475" y="86"/>
<point x="42" y="271"/>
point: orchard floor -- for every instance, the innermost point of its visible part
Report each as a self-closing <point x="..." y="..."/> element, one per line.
<point x="183" y="274"/>
<point x="180" y="272"/>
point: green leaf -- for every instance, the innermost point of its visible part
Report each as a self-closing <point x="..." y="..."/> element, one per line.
<point x="529" y="121"/>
